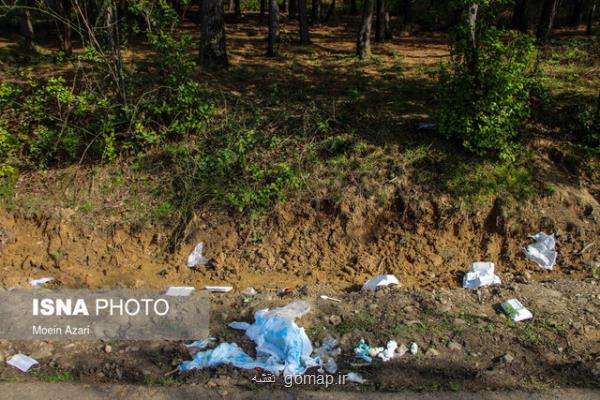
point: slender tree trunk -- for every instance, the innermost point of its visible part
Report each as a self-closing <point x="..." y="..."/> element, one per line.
<point x="303" y="22"/>
<point x="26" y="27"/>
<point x="66" y="43"/>
<point x="238" y="8"/>
<point x="273" y="28"/>
<point x="263" y="6"/>
<point x="330" y="10"/>
<point x="363" y="45"/>
<point x="285" y="7"/>
<point x="293" y="9"/>
<point x="519" y="19"/>
<point x="231" y="6"/>
<point x="591" y="16"/>
<point x="576" y="13"/>
<point x="353" y="7"/>
<point x="316" y="12"/>
<point x="389" y="35"/>
<point x="549" y="9"/>
<point x="213" y="53"/>
<point x="473" y="59"/>
<point x="380" y="22"/>
<point x="407" y="11"/>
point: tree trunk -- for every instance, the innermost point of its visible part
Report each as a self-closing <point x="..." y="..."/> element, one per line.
<point x="473" y="58"/>
<point x="591" y="16"/>
<point x="293" y="9"/>
<point x="316" y="12"/>
<point x="303" y="22"/>
<point x="330" y="10"/>
<point x="213" y="53"/>
<point x="389" y="35"/>
<point x="380" y="22"/>
<point x="546" y="20"/>
<point x="273" y="28"/>
<point x="363" y="45"/>
<point x="263" y="6"/>
<point x="238" y="8"/>
<point x="519" y="19"/>
<point x="407" y="11"/>
<point x="353" y="7"/>
<point x="26" y="28"/>
<point x="576" y="13"/>
<point x="66" y="44"/>
<point x="285" y="7"/>
<point x="231" y="6"/>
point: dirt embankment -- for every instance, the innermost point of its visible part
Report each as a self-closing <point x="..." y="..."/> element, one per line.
<point x="426" y="242"/>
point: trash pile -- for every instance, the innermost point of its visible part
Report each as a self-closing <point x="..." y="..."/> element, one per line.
<point x="366" y="353"/>
<point x="482" y="274"/>
<point x="281" y="346"/>
<point x="542" y="251"/>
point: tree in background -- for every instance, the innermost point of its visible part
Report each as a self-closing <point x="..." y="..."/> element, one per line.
<point x="576" y="13"/>
<point x="316" y="12"/>
<point x="591" y="16"/>
<point x="520" y="19"/>
<point x="213" y="51"/>
<point x="549" y="9"/>
<point x="303" y="22"/>
<point x="363" y="42"/>
<point x="484" y="92"/>
<point x="380" y="22"/>
<point x="273" y="39"/>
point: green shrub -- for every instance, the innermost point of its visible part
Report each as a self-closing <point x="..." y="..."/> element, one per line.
<point x="483" y="109"/>
<point x="589" y="128"/>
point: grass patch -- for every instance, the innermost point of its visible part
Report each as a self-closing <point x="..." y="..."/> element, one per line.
<point x="58" y="377"/>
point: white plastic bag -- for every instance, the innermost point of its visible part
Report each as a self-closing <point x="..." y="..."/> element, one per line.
<point x="542" y="251"/>
<point x="196" y="257"/>
<point x="380" y="281"/>
<point x="482" y="274"/>
<point x="22" y="362"/>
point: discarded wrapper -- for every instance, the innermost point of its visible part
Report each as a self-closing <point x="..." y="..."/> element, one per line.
<point x="482" y="274"/>
<point x="324" y="297"/>
<point x="22" y="362"/>
<point x="542" y="251"/>
<point x="515" y="310"/>
<point x="219" y="289"/>
<point x="248" y="292"/>
<point x="179" y="291"/>
<point x="380" y="281"/>
<point x="354" y="377"/>
<point x="196" y="257"/>
<point x="40" y="281"/>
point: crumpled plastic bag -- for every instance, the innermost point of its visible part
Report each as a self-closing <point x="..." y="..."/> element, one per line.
<point x="196" y="257"/>
<point x="380" y="281"/>
<point x="542" y="251"/>
<point x="482" y="274"/>
<point x="281" y="346"/>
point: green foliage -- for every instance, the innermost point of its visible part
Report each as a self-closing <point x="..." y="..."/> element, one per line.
<point x="589" y="128"/>
<point x="484" y="98"/>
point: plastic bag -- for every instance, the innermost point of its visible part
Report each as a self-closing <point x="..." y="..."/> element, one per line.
<point x="482" y="274"/>
<point x="196" y="257"/>
<point x="542" y="251"/>
<point x="380" y="281"/>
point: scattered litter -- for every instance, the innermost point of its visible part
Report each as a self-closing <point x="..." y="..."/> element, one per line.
<point x="542" y="251"/>
<point x="284" y="291"/>
<point x="330" y="298"/>
<point x="202" y="344"/>
<point x="362" y="351"/>
<point x="219" y="289"/>
<point x="41" y="281"/>
<point x="389" y="352"/>
<point x="22" y="362"/>
<point x="482" y="274"/>
<point x="354" y="377"/>
<point x="330" y="366"/>
<point x="196" y="257"/>
<point x="326" y="354"/>
<point x="381" y="281"/>
<point x="247" y="299"/>
<point x="281" y="346"/>
<point x="413" y="348"/>
<point x="402" y="350"/>
<point x="240" y="326"/>
<point x="248" y="292"/>
<point x="426" y="125"/>
<point x="515" y="310"/>
<point x="179" y="291"/>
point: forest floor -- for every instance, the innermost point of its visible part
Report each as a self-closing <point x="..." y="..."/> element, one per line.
<point x="378" y="196"/>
